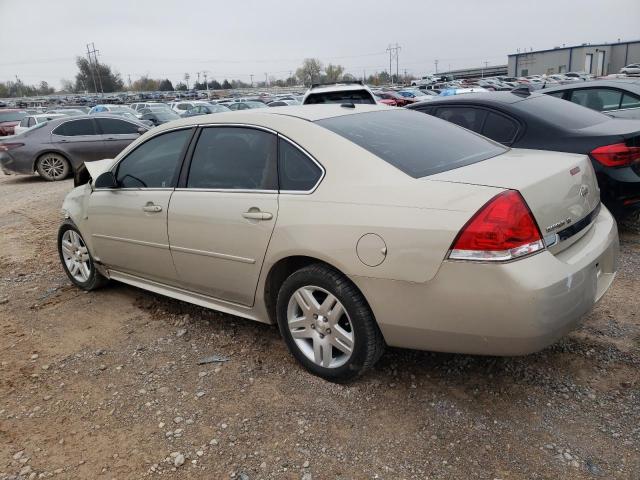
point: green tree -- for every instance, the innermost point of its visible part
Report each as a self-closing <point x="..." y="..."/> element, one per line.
<point x="145" y="84"/>
<point x="181" y="87"/>
<point x="226" y="85"/>
<point x="111" y="81"/>
<point x="165" y="85"/>
<point x="310" y="70"/>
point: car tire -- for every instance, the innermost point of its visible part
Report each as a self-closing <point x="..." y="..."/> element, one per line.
<point x="53" y="167"/>
<point x="76" y="259"/>
<point x="327" y="323"/>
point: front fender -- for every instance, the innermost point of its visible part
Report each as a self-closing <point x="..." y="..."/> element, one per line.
<point x="75" y="208"/>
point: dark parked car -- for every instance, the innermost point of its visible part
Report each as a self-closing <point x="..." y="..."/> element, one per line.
<point x="57" y="148"/>
<point x="245" y="105"/>
<point x="542" y="122"/>
<point x="158" y="117"/>
<point x="9" y="119"/>
<point x="617" y="98"/>
<point x="204" y="110"/>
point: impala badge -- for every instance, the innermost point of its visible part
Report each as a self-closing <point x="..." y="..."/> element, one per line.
<point x="559" y="224"/>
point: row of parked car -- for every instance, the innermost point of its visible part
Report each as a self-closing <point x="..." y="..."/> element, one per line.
<point x="63" y="139"/>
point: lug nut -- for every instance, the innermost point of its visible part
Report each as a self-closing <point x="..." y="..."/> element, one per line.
<point x="328" y="330"/>
<point x="321" y="336"/>
<point x="313" y="325"/>
<point x="315" y="316"/>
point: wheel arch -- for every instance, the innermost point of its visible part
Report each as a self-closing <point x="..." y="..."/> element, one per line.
<point x="281" y="270"/>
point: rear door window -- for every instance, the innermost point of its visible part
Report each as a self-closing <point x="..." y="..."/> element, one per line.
<point x="234" y="158"/>
<point x="499" y="128"/>
<point x="467" y="117"/>
<point x="113" y="126"/>
<point x="600" y="99"/>
<point x="417" y="144"/>
<point x="75" y="128"/>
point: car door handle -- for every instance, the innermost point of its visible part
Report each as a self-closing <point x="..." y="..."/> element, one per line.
<point x="152" y="208"/>
<point x="257" y="215"/>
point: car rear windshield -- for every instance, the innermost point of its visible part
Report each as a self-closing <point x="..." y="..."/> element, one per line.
<point x="418" y="144"/>
<point x="342" y="96"/>
<point x="559" y="112"/>
<point x="12" y="116"/>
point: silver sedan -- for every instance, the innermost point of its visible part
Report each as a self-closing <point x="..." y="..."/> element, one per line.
<point x="351" y="227"/>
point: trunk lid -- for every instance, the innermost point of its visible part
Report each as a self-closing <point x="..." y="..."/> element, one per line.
<point x="560" y="188"/>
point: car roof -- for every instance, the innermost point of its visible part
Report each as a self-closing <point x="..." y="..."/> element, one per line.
<point x="481" y="97"/>
<point x="337" y="87"/>
<point x="611" y="82"/>
<point x="304" y="112"/>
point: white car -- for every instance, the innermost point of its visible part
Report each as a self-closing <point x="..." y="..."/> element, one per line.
<point x="30" y="121"/>
<point x="341" y="92"/>
<point x="182" y="107"/>
<point x="631" y="69"/>
<point x="428" y="80"/>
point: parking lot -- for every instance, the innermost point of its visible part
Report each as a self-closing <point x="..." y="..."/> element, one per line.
<point x="107" y="385"/>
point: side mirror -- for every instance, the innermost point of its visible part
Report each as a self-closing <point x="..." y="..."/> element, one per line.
<point x="142" y="130"/>
<point x="106" y="180"/>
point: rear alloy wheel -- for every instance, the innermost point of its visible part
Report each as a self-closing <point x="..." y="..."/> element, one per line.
<point x="53" y="167"/>
<point x="76" y="259"/>
<point x="327" y="323"/>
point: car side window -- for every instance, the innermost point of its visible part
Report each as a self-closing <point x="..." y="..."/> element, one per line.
<point x="75" y="128"/>
<point x="154" y="163"/>
<point x="600" y="99"/>
<point x="113" y="126"/>
<point x="499" y="128"/>
<point x="630" y="101"/>
<point x="467" y="117"/>
<point x="559" y="94"/>
<point x="234" y="158"/>
<point x="32" y="122"/>
<point x="24" y="122"/>
<point x="296" y="171"/>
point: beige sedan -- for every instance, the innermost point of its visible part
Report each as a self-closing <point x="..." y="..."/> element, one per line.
<point x="352" y="227"/>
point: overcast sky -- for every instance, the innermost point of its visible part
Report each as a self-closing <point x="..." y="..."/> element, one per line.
<point x="39" y="39"/>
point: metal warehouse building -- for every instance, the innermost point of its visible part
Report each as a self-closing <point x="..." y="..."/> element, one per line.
<point x="596" y="59"/>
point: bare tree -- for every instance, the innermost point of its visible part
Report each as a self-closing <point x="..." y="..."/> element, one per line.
<point x="310" y="70"/>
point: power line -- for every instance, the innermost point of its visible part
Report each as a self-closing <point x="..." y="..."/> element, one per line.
<point x="393" y="54"/>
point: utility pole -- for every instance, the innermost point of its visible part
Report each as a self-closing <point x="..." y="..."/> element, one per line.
<point x="486" y="64"/>
<point x="393" y="54"/>
<point x="266" y="79"/>
<point x="251" y="75"/>
<point x="198" y="73"/>
<point x="129" y="76"/>
<point x="95" y="61"/>
<point x="436" y="62"/>
<point x="205" y="82"/>
<point x="95" y="88"/>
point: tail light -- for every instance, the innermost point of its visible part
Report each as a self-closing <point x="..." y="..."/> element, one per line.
<point x="503" y="229"/>
<point x="616" y="155"/>
<point x="5" y="147"/>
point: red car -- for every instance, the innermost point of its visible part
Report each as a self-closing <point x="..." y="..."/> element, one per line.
<point x="385" y="101"/>
<point x="396" y="97"/>
<point x="9" y="119"/>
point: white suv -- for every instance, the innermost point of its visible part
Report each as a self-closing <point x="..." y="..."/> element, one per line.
<point x="341" y="92"/>
<point x="428" y="80"/>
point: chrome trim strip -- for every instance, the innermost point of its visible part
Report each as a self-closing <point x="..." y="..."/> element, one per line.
<point x="223" y="190"/>
<point x="129" y="240"/>
<point x="206" y="253"/>
<point x="133" y="189"/>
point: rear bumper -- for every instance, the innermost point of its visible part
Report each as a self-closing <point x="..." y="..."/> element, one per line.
<point x="10" y="165"/>
<point x="498" y="309"/>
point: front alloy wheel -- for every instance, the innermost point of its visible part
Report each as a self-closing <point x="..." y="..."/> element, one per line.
<point x="76" y="258"/>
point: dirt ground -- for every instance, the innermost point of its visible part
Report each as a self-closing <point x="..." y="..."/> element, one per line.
<point x="107" y="385"/>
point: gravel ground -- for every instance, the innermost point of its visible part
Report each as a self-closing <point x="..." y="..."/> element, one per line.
<point x="107" y="385"/>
